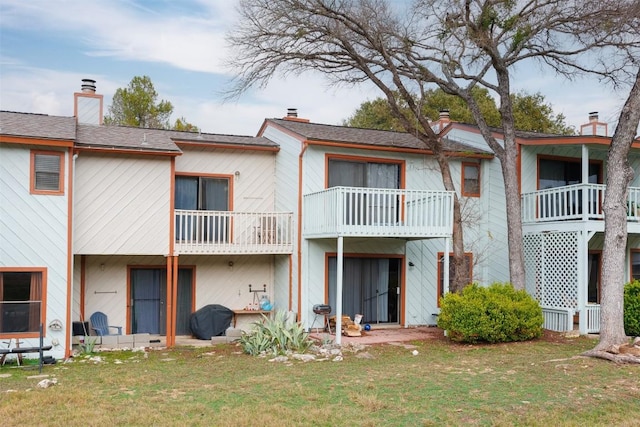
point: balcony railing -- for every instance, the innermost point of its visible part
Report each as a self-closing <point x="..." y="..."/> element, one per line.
<point x="573" y="202"/>
<point x="228" y="232"/>
<point x="378" y="212"/>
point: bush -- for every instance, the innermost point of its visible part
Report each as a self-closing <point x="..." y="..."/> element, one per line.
<point x="497" y="313"/>
<point x="632" y="308"/>
<point x="274" y="335"/>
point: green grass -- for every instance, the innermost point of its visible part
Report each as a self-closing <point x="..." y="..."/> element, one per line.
<point x="530" y="383"/>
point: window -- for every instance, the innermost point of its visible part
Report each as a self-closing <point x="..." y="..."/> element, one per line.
<point x="554" y="173"/>
<point x="199" y="193"/>
<point x="471" y="179"/>
<point x="635" y="264"/>
<point x="468" y="260"/>
<point x="367" y="207"/>
<point x="363" y="173"/>
<point x="47" y="172"/>
<point x="22" y="305"/>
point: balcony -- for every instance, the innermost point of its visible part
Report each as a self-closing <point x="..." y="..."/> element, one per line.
<point x="228" y="232"/>
<point x="566" y="204"/>
<point x="378" y="212"/>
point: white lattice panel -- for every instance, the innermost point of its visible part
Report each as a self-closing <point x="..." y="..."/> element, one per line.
<point x="551" y="268"/>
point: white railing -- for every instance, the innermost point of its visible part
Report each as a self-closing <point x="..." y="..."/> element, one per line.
<point x="566" y="203"/>
<point x="558" y="319"/>
<point x="378" y="212"/>
<point x="593" y="318"/>
<point x="228" y="232"/>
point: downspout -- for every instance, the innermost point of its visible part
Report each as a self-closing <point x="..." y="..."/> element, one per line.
<point x="305" y="145"/>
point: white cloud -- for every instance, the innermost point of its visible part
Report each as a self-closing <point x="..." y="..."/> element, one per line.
<point x="126" y="31"/>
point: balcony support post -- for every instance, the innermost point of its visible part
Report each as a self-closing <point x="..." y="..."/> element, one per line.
<point x="339" y="284"/>
<point x="585" y="182"/>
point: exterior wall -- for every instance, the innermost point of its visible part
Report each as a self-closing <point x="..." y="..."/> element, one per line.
<point x="286" y="200"/>
<point x="216" y="282"/>
<point x="254" y="183"/>
<point x="34" y="234"/>
<point x="529" y="162"/>
<point x="122" y="205"/>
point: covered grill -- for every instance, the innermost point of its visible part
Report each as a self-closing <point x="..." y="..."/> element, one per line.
<point x="322" y="310"/>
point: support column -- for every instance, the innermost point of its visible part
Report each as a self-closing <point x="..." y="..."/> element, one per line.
<point x="169" y="305"/>
<point x="583" y="279"/>
<point x="339" y="284"/>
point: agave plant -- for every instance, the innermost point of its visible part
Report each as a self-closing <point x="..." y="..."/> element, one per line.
<point x="275" y="335"/>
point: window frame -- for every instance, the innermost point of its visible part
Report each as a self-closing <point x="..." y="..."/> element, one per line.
<point x="43" y="300"/>
<point x="631" y="254"/>
<point x="440" y="275"/>
<point x="365" y="160"/>
<point x="32" y="185"/>
<point x="464" y="186"/>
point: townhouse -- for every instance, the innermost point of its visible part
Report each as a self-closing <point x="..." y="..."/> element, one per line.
<point x="149" y="226"/>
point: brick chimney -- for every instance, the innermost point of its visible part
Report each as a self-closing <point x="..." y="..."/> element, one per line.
<point x="443" y="121"/>
<point x="292" y="114"/>
<point x="594" y="127"/>
<point x="87" y="105"/>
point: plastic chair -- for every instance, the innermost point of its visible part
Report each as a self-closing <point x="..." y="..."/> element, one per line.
<point x="101" y="326"/>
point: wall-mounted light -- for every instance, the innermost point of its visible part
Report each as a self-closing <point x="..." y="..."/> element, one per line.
<point x="102" y="267"/>
<point x="411" y="264"/>
<point x="237" y="174"/>
<point x="230" y="263"/>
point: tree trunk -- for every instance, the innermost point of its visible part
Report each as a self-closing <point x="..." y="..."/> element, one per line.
<point x="619" y="176"/>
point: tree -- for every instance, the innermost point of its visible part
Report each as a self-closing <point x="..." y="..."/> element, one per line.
<point x="137" y="105"/>
<point x="456" y="45"/>
<point x="531" y="113"/>
<point x="619" y="176"/>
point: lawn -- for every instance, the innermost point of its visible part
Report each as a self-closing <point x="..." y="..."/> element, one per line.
<point x="542" y="382"/>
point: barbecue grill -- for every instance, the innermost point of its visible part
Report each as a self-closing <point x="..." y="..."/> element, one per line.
<point x="322" y="310"/>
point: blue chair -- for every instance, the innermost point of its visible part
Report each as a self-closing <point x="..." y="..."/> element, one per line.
<point x="101" y="326"/>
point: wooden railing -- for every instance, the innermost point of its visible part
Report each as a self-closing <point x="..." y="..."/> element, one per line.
<point x="573" y="202"/>
<point x="378" y="212"/>
<point x="593" y="318"/>
<point x="229" y="232"/>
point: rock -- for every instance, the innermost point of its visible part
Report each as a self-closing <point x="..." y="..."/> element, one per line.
<point x="279" y="359"/>
<point x="415" y="352"/>
<point x="46" y="383"/>
<point x="304" y="357"/>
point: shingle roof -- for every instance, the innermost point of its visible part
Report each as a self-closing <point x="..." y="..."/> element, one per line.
<point x="127" y="138"/>
<point x="213" y="138"/>
<point x="351" y="135"/>
<point x="30" y="125"/>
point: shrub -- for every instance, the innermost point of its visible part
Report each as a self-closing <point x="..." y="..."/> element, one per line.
<point x="274" y="335"/>
<point x="497" y="313"/>
<point x="632" y="308"/>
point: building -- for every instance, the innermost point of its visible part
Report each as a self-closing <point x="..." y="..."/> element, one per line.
<point x="149" y="226"/>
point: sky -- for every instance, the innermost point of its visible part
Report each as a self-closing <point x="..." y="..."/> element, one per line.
<point x="48" y="46"/>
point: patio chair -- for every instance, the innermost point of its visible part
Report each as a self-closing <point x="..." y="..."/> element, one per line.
<point x="101" y="326"/>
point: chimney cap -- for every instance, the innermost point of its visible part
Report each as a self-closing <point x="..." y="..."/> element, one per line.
<point x="88" y="86"/>
<point x="292" y="112"/>
<point x="593" y="115"/>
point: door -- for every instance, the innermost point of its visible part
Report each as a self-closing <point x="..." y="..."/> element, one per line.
<point x="594" y="265"/>
<point x="149" y="301"/>
<point x="376" y="208"/>
<point x="371" y="287"/>
<point x="202" y="194"/>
